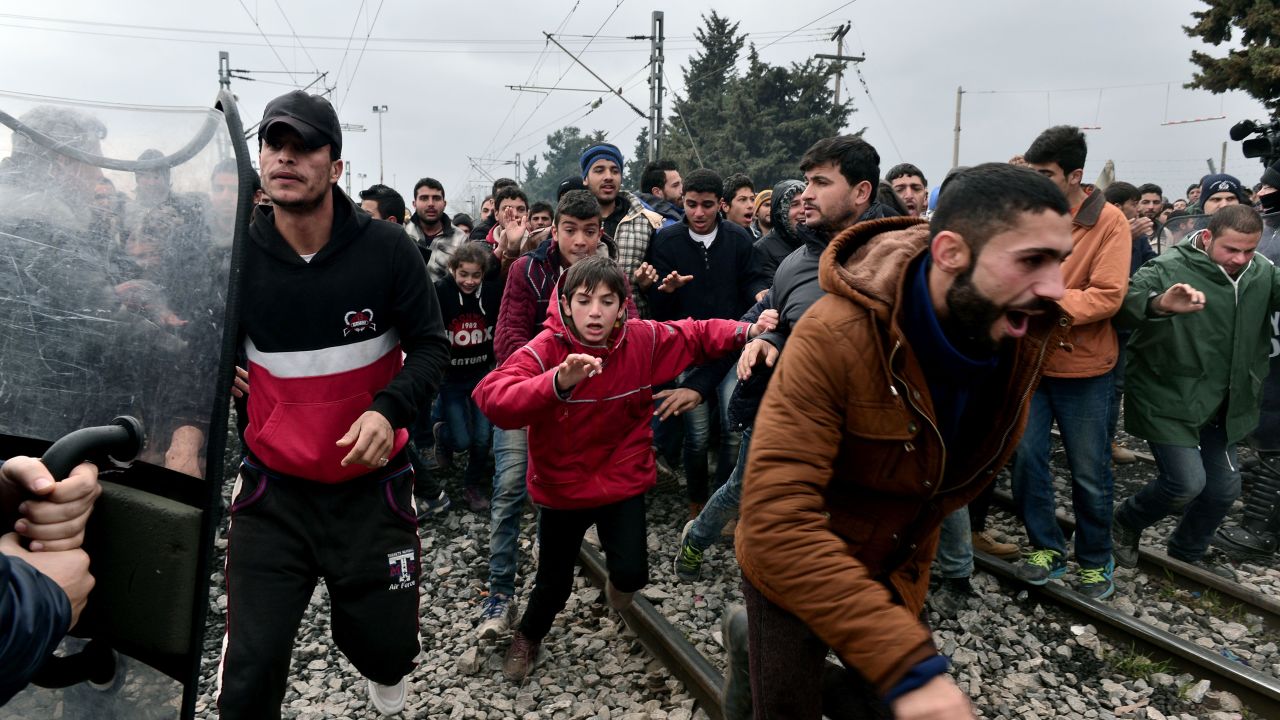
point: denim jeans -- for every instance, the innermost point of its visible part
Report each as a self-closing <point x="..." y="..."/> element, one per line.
<point x="1117" y="374"/>
<point x="1199" y="483"/>
<point x="723" y="505"/>
<point x="697" y="439"/>
<point x="955" y="546"/>
<point x="468" y="428"/>
<point x="1080" y="406"/>
<point x="511" y="457"/>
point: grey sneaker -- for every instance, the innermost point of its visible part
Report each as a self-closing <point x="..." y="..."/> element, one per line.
<point x="688" y="560"/>
<point x="1040" y="566"/>
<point x="1096" y="583"/>
<point x="951" y="597"/>
<point x="497" y="615"/>
<point x="1124" y="541"/>
<point x="388" y="699"/>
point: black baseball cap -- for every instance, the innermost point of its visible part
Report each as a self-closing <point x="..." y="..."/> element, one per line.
<point x="570" y="183"/>
<point x="311" y="115"/>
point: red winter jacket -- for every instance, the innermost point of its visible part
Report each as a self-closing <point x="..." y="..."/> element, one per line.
<point x="595" y="447"/>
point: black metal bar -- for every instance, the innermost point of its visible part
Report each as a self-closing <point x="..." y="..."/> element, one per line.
<point x="665" y="642"/>
<point x="1259" y="692"/>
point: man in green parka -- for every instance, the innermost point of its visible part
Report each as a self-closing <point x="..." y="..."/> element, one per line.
<point x="1202" y="337"/>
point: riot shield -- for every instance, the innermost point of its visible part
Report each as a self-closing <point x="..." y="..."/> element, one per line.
<point x="1177" y="229"/>
<point x="120" y="229"/>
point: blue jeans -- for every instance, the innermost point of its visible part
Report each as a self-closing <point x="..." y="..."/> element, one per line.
<point x="511" y="457"/>
<point x="1199" y="483"/>
<point x="697" y="439"/>
<point x="723" y="505"/>
<point x="1080" y="405"/>
<point x="955" y="546"/>
<point x="468" y="428"/>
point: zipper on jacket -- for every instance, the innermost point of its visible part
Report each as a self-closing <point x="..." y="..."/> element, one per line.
<point x="942" y="443"/>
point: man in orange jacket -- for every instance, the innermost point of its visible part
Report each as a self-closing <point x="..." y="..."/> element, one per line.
<point x="1078" y="384"/>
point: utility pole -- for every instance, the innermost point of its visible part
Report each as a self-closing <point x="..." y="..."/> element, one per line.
<point x="379" y="110"/>
<point x="840" y="57"/>
<point x="838" y="36"/>
<point x="1224" y="156"/>
<point x="348" y="164"/>
<point x="656" y="36"/>
<point x="349" y="127"/>
<point x="955" y="148"/>
<point x="224" y="69"/>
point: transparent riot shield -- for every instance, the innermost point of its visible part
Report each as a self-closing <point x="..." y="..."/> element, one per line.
<point x="119" y="242"/>
<point x="1177" y="229"/>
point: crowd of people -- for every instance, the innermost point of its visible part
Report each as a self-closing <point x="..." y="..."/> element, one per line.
<point x="578" y="351"/>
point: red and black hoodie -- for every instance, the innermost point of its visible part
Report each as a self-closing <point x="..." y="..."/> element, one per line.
<point x="469" y="321"/>
<point x="357" y="328"/>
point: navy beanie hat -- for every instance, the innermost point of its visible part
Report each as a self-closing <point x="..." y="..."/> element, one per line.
<point x="603" y="151"/>
<point x="1220" y="182"/>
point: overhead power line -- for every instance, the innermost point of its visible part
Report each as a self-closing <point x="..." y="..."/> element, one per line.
<point x="273" y="47"/>
<point x="352" y="80"/>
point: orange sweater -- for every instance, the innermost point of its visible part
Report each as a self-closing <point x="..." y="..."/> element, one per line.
<point x="1096" y="276"/>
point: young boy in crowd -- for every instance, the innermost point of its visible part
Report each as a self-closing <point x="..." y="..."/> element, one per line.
<point x="469" y="306"/>
<point x="530" y="285"/>
<point x="582" y="387"/>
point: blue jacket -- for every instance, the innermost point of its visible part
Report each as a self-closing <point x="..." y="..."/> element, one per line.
<point x="34" y="616"/>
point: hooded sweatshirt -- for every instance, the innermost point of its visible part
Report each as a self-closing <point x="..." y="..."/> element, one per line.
<point x="355" y="329"/>
<point x="782" y="240"/>
<point x="469" y="321"/>
<point x="594" y="447"/>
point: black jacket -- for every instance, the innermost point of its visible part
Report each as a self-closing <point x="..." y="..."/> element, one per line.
<point x="726" y="277"/>
<point x="782" y="240"/>
<point x="34" y="615"/>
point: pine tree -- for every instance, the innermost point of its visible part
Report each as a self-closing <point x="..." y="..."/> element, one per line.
<point x="1255" y="68"/>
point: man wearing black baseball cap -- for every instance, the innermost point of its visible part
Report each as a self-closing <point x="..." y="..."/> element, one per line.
<point x="331" y="300"/>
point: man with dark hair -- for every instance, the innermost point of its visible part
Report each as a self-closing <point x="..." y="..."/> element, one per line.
<point x="1202" y="315"/>
<point x="711" y="272"/>
<point x="1150" y="201"/>
<point x="628" y="225"/>
<point x="345" y="344"/>
<point x="930" y="338"/>
<point x="431" y="229"/>
<point x="738" y="200"/>
<point x="489" y="218"/>
<point x="540" y="214"/>
<point x="1077" y="386"/>
<point x="911" y="187"/>
<point x="1193" y="194"/>
<point x="661" y="189"/>
<point x="383" y="203"/>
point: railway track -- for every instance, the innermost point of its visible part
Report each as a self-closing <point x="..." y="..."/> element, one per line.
<point x="664" y="642"/>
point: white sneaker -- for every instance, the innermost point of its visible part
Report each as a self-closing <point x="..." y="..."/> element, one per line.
<point x="388" y="699"/>
<point x="592" y="536"/>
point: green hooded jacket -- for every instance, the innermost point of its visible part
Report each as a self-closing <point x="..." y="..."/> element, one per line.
<point x="1182" y="370"/>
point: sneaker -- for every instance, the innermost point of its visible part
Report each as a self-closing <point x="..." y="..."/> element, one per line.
<point x="1122" y="455"/>
<point x="434" y="506"/>
<point x="1096" y="583"/>
<point x="667" y="478"/>
<point x="444" y="456"/>
<point x="688" y="562"/>
<point x="1041" y="566"/>
<point x="476" y="499"/>
<point x="951" y="596"/>
<point x="592" y="536"/>
<point x="986" y="542"/>
<point x="388" y="699"/>
<point x="497" y="615"/>
<point x="521" y="658"/>
<point x="1124" y="541"/>
<point x="737" y="680"/>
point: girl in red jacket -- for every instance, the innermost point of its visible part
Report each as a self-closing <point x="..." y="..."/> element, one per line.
<point x="583" y="387"/>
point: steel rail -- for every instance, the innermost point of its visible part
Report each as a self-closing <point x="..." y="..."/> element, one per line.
<point x="665" y="642"/>
<point x="1259" y="692"/>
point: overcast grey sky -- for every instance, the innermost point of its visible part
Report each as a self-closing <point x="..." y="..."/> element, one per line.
<point x="441" y="69"/>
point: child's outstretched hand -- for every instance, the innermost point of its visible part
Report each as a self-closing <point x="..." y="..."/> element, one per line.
<point x="767" y="321"/>
<point x="576" y="368"/>
<point x="674" y="281"/>
<point x="645" y="276"/>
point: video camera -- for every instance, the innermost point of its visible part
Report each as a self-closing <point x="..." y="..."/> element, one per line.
<point x="1266" y="146"/>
